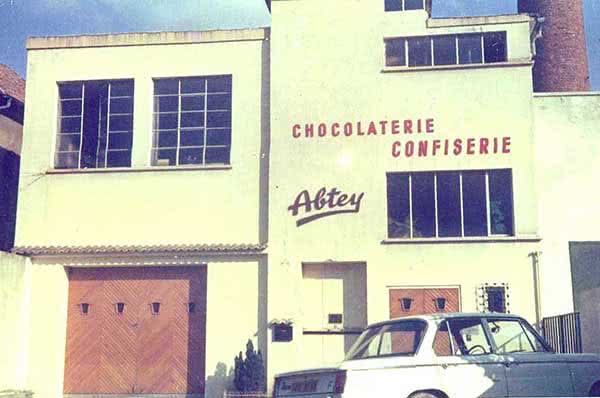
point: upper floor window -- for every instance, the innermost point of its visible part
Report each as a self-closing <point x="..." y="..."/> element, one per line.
<point x="460" y="49"/>
<point x="95" y="128"/>
<point x="192" y="121"/>
<point x="403" y="5"/>
<point x="448" y="204"/>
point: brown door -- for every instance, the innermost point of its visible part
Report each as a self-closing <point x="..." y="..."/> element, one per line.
<point x="144" y="330"/>
<point x="417" y="301"/>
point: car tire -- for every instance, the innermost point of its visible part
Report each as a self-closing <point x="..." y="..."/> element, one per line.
<point x="424" y="395"/>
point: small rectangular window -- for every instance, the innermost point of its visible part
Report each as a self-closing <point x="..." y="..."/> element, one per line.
<point x="398" y="206"/>
<point x="494" y="44"/>
<point x="495" y="298"/>
<point x="419" y="51"/>
<point x="423" y="205"/>
<point x="444" y="50"/>
<point x="393" y="5"/>
<point x="413" y="4"/>
<point x="395" y="52"/>
<point x="469" y="49"/>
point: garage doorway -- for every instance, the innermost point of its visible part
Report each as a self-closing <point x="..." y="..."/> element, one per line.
<point x="136" y="331"/>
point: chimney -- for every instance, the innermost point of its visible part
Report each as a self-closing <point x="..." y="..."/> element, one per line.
<point x="561" y="61"/>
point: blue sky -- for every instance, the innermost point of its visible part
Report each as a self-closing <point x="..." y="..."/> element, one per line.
<point x="22" y="18"/>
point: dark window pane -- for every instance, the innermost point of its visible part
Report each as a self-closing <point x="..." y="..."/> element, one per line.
<point x="219" y="84"/>
<point x="165" y="157"/>
<point x="70" y="108"/>
<point x="475" y="211"/>
<point x="192" y="85"/>
<point x="67" y="160"/>
<point x="121" y="105"/>
<point x="167" y="139"/>
<point x="190" y="156"/>
<point x="413" y="4"/>
<point x="167" y="121"/>
<point x="70" y="124"/>
<point x="121" y="122"/>
<point x="192" y="103"/>
<point x="395" y="52"/>
<point x="444" y="50"/>
<point x="501" y="208"/>
<point x="423" y="204"/>
<point x="192" y="119"/>
<point x="398" y="206"/>
<point x="393" y="5"/>
<point x="118" y="159"/>
<point x="218" y="119"/>
<point x="469" y="49"/>
<point x="166" y="103"/>
<point x="120" y="140"/>
<point x="121" y="88"/>
<point x="70" y="90"/>
<point x="448" y="204"/>
<point x="219" y="137"/>
<point x="192" y="138"/>
<point x="495" y="299"/>
<point x="217" y="155"/>
<point x="166" y="86"/>
<point x="68" y="142"/>
<point x="494" y="45"/>
<point x="219" y="102"/>
<point x="419" y="51"/>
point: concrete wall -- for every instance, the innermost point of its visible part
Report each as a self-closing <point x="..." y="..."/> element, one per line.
<point x="568" y="149"/>
<point x="328" y="68"/>
<point x="142" y="205"/>
<point x="15" y="292"/>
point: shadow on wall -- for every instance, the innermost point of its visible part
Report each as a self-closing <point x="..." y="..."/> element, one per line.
<point x="217" y="384"/>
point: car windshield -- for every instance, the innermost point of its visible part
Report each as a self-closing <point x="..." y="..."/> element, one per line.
<point x="512" y="335"/>
<point x="394" y="338"/>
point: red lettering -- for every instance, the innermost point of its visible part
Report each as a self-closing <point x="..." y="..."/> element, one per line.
<point x="429" y="125"/>
<point x="395" y="149"/>
<point x="495" y="145"/>
<point x="418" y="125"/>
<point x="335" y="129"/>
<point x="446" y="145"/>
<point x="395" y="127"/>
<point x="409" y="149"/>
<point x="359" y="129"/>
<point x="408" y="127"/>
<point x="483" y="144"/>
<point x="457" y="146"/>
<point x="296" y="131"/>
<point x="308" y="130"/>
<point x="372" y="129"/>
<point x="383" y="123"/>
<point x="422" y="148"/>
<point x="322" y="129"/>
<point x="470" y="146"/>
<point x="505" y="144"/>
<point x="436" y="146"/>
<point x="348" y="129"/>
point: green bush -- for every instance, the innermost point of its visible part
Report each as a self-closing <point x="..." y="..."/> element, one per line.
<point x="249" y="373"/>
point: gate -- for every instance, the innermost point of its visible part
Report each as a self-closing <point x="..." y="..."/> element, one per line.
<point x="563" y="333"/>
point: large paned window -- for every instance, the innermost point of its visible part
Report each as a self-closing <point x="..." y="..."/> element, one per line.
<point x="403" y="5"/>
<point x="95" y="128"/>
<point x="192" y="121"/>
<point x="460" y="49"/>
<point x="450" y="204"/>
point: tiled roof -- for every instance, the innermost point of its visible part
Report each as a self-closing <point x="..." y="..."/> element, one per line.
<point x="140" y="249"/>
<point x="12" y="83"/>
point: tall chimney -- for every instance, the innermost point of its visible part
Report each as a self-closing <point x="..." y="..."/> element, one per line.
<point x="561" y="62"/>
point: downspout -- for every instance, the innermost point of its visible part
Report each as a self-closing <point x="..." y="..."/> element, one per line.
<point x="536" y="33"/>
<point x="535" y="260"/>
<point x="9" y="103"/>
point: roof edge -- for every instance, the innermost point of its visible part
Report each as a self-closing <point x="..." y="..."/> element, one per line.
<point x="216" y="248"/>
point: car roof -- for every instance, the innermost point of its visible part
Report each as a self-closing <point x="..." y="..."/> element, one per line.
<point x="448" y="315"/>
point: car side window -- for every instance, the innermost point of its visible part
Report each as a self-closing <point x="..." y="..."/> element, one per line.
<point x="469" y="336"/>
<point x="443" y="346"/>
<point x="510" y="336"/>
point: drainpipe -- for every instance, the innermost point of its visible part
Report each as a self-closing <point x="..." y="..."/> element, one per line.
<point x="536" y="33"/>
<point x="535" y="259"/>
<point x="9" y="103"/>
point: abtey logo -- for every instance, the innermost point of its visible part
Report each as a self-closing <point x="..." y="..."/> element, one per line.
<point x="324" y="204"/>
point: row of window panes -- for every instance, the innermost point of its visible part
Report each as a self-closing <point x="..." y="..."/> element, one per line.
<point x="463" y="49"/>
<point x="96" y="122"/>
<point x="403" y="5"/>
<point x="450" y="204"/>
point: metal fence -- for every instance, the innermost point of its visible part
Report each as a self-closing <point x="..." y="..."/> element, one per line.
<point x="563" y="332"/>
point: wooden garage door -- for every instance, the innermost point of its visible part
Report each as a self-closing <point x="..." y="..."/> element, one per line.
<point x="422" y="300"/>
<point x="144" y="330"/>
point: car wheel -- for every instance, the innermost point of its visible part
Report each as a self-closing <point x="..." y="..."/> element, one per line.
<point x="595" y="390"/>
<point x="425" y="395"/>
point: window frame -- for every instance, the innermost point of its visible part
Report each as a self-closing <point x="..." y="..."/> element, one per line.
<point x="204" y="127"/>
<point x="436" y="213"/>
<point x="402" y="4"/>
<point x="456" y="36"/>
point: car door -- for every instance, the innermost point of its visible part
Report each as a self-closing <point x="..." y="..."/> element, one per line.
<point x="531" y="369"/>
<point x="469" y="367"/>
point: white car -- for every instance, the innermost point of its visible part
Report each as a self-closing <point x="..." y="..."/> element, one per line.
<point x="456" y="355"/>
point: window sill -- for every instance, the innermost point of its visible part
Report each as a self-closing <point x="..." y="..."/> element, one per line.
<point x="400" y="69"/>
<point x="138" y="169"/>
<point x="333" y="331"/>
<point x="477" y="239"/>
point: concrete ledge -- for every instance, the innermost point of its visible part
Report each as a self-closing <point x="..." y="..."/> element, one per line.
<point x="474" y="21"/>
<point x="146" y="38"/>
<point x="483" y="239"/>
